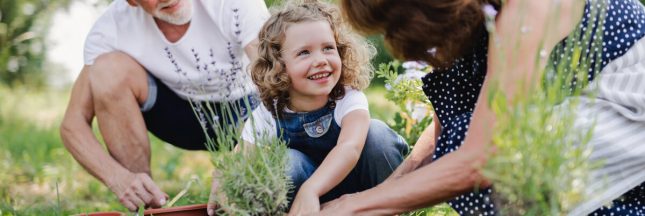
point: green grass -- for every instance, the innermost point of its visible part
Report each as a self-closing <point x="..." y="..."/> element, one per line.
<point x="39" y="176"/>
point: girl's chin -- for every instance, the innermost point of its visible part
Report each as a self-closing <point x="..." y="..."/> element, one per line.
<point x="320" y="94"/>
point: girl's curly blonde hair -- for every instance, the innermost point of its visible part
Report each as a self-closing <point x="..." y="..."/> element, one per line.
<point x="269" y="71"/>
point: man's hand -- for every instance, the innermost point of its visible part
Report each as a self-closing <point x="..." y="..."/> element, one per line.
<point x="306" y="202"/>
<point x="138" y="189"/>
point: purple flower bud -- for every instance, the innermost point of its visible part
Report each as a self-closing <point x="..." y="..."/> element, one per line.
<point x="489" y="10"/>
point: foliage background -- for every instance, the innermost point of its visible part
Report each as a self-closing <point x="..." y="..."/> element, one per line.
<point x="23" y="25"/>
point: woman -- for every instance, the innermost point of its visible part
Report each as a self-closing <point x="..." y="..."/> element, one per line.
<point x="451" y="36"/>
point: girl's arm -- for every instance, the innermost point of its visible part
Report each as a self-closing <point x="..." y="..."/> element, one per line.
<point x="342" y="158"/>
<point x="337" y="165"/>
<point x="459" y="171"/>
<point x="421" y="153"/>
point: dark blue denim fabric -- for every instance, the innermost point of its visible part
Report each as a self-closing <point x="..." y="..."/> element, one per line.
<point x="313" y="133"/>
<point x="311" y="136"/>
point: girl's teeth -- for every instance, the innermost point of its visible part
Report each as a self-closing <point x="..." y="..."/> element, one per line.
<point x="319" y="76"/>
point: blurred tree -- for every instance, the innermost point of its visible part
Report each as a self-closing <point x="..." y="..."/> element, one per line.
<point x="23" y="26"/>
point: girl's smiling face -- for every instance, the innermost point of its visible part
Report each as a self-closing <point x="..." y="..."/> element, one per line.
<point x="312" y="60"/>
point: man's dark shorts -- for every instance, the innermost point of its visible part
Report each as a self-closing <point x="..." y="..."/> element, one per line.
<point x="173" y="119"/>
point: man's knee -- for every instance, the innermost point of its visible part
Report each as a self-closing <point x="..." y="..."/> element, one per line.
<point x="114" y="73"/>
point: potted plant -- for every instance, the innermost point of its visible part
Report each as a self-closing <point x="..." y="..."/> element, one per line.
<point x="252" y="179"/>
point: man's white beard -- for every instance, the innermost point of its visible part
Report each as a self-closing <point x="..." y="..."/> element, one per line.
<point x="180" y="17"/>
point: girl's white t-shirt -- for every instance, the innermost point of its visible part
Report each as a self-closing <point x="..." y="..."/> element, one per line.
<point x="263" y="124"/>
<point x="207" y="63"/>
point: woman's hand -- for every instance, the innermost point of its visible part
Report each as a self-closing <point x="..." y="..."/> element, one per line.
<point x="338" y="206"/>
<point x="306" y="202"/>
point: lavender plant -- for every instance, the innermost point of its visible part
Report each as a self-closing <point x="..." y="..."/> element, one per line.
<point x="252" y="179"/>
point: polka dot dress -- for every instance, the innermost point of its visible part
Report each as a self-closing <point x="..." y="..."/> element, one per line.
<point x="630" y="203"/>
<point x="453" y="92"/>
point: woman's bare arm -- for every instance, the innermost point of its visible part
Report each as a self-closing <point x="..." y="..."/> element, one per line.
<point x="421" y="153"/>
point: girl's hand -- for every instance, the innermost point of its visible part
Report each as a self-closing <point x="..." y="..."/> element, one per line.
<point x="306" y="202"/>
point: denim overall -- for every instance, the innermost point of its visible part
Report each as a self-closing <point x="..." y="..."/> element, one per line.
<point x="312" y="135"/>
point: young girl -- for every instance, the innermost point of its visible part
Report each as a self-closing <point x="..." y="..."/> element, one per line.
<point x="310" y="72"/>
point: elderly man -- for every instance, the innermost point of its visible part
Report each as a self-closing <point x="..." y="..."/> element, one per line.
<point x="145" y="60"/>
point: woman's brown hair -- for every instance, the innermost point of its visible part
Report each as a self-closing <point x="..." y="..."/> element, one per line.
<point x="435" y="31"/>
<point x="269" y="71"/>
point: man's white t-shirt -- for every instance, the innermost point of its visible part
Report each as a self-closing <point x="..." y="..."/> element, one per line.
<point x="207" y="63"/>
<point x="263" y="124"/>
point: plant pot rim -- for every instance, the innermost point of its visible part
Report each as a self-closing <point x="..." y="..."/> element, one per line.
<point x="108" y="213"/>
<point x="174" y="209"/>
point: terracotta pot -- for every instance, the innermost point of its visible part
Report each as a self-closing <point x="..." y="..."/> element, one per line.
<point x="102" y="214"/>
<point x="189" y="210"/>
